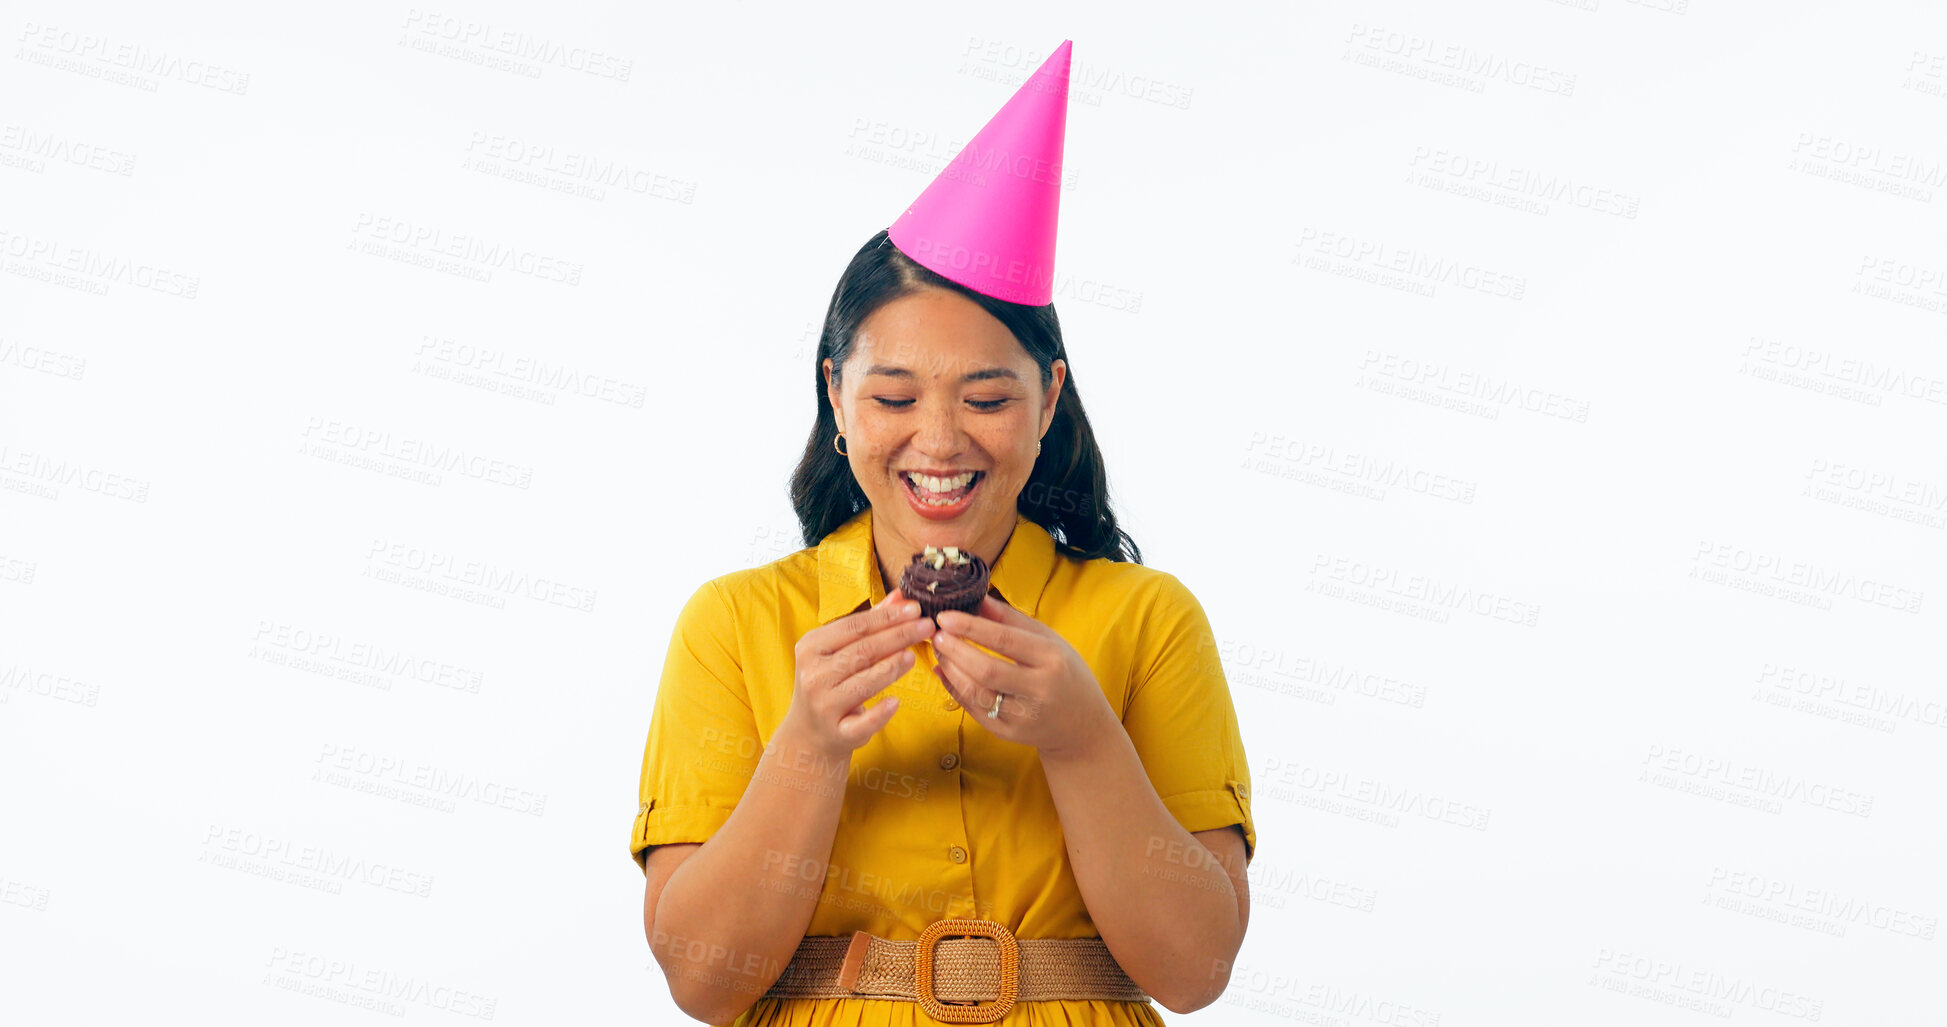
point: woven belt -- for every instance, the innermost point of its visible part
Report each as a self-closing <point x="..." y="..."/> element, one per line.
<point x="946" y="973"/>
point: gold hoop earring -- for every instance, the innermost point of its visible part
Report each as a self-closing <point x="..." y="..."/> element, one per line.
<point x="835" y="445"/>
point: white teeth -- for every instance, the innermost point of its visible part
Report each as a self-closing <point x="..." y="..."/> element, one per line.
<point x="936" y="485"/>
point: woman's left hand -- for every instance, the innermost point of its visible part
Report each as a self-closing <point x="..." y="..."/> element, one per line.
<point x="1053" y="701"/>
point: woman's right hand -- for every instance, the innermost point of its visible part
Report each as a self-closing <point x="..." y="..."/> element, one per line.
<point x="842" y="664"/>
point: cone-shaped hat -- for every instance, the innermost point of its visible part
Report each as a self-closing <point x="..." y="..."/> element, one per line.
<point x="988" y="220"/>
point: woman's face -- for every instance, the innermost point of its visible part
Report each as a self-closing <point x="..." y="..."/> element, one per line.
<point x="937" y="386"/>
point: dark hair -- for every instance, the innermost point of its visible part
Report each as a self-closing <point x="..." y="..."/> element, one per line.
<point x="1068" y="491"/>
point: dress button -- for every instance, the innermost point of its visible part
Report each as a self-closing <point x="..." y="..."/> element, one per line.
<point x="957" y="854"/>
<point x="949" y="761"/>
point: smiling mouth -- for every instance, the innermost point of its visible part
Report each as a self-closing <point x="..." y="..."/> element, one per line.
<point x="947" y="497"/>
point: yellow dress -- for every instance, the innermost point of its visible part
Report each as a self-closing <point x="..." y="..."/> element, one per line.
<point x="940" y="818"/>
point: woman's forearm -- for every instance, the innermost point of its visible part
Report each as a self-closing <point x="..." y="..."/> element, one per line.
<point x="1166" y="909"/>
<point x="733" y="913"/>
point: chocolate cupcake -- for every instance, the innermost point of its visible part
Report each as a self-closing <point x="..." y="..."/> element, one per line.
<point x="945" y="579"/>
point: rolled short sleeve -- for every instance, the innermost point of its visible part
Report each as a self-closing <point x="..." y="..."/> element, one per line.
<point x="1181" y="718"/>
<point x="703" y="741"/>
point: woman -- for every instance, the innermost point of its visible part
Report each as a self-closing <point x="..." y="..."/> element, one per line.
<point x="1058" y="777"/>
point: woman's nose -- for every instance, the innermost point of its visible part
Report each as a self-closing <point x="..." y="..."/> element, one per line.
<point x="939" y="429"/>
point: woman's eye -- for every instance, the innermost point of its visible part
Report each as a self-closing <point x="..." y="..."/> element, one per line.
<point x="978" y="404"/>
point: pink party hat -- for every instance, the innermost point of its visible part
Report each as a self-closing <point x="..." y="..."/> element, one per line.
<point x="988" y="220"/>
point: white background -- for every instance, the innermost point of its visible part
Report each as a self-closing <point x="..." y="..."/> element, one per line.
<point x="1545" y="401"/>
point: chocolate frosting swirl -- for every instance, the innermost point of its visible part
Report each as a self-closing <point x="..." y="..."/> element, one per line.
<point x="959" y="586"/>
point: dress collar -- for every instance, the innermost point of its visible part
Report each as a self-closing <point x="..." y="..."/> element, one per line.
<point x="848" y="576"/>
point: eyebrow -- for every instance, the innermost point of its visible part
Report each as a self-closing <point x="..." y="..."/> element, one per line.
<point x="971" y="376"/>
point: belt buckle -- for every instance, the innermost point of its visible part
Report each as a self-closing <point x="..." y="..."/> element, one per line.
<point x="986" y="1012"/>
